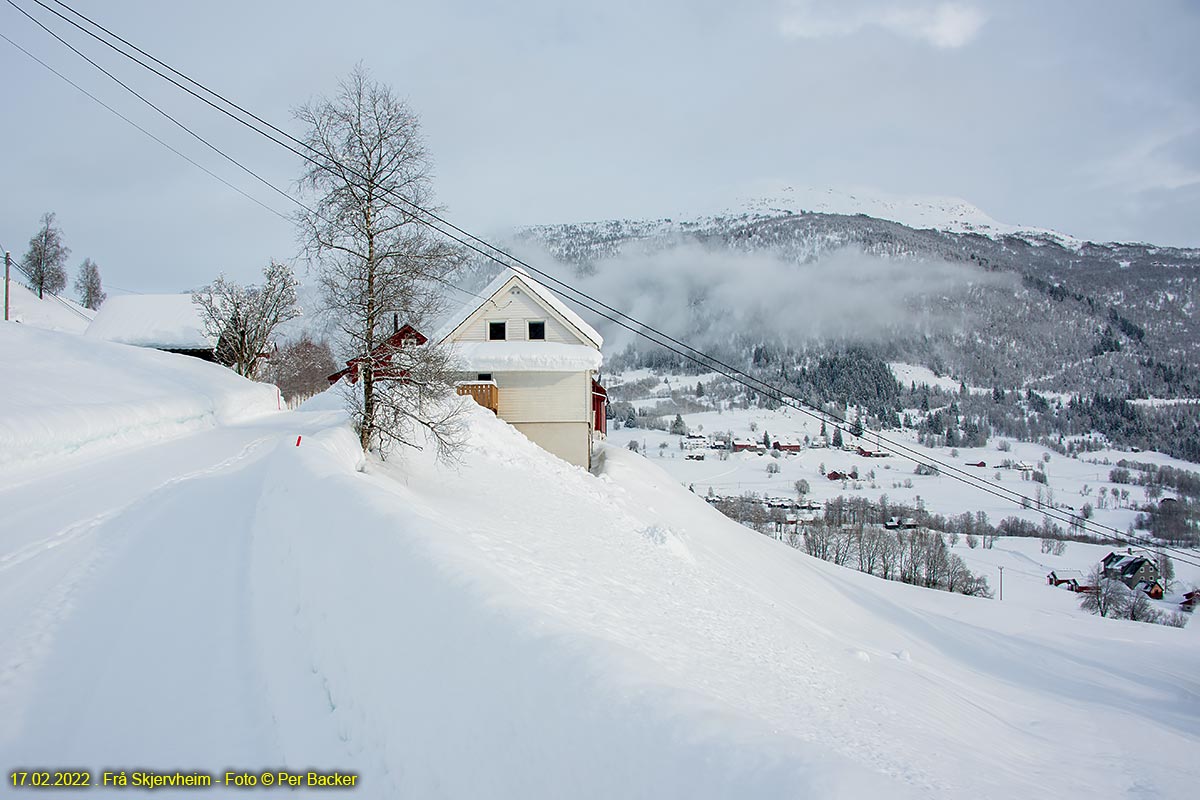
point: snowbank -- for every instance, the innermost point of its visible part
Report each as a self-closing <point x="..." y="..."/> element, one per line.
<point x="525" y="356"/>
<point x="68" y="394"/>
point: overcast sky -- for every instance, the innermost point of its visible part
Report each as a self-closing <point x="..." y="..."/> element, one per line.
<point x="1081" y="115"/>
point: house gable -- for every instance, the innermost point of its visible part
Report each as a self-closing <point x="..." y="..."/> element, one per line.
<point x="518" y="300"/>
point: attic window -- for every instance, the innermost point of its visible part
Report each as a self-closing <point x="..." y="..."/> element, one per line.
<point x="497" y="332"/>
<point x="537" y="330"/>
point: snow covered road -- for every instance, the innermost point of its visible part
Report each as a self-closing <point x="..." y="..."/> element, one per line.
<point x="123" y="583"/>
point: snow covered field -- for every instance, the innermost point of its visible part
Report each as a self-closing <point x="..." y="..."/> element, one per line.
<point x="517" y="627"/>
<point x="1072" y="482"/>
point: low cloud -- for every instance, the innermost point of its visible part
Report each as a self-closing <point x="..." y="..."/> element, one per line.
<point x="942" y="25"/>
<point x="711" y="297"/>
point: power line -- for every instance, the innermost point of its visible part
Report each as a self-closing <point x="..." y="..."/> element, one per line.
<point x="181" y="126"/>
<point x="432" y="220"/>
<point x="66" y="304"/>
<point x="143" y="130"/>
<point x="152" y="105"/>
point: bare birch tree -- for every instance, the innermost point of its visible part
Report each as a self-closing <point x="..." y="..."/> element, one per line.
<point x="46" y="258"/>
<point x="88" y="287"/>
<point x="377" y="264"/>
<point x="243" y="318"/>
<point x="1106" y="597"/>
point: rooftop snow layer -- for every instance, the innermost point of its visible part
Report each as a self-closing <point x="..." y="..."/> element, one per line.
<point x="162" y="321"/>
<point x="526" y="356"/>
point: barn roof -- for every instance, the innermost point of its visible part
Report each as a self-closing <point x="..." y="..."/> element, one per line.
<point x="162" y="321"/>
<point x="547" y="297"/>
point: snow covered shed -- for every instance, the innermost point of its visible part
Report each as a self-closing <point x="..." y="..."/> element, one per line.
<point x="532" y="360"/>
<point x="168" y="322"/>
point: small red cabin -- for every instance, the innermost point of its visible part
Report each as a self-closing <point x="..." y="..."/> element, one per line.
<point x="381" y="356"/>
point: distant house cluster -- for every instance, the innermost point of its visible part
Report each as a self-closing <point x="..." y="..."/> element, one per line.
<point x="1137" y="571"/>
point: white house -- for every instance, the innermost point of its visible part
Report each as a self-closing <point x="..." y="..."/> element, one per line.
<point x="524" y="354"/>
<point x="161" y="321"/>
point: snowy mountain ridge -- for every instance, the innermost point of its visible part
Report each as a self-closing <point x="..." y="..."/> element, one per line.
<point x="949" y="214"/>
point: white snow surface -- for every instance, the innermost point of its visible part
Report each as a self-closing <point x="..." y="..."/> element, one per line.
<point x="514" y="626"/>
<point x="69" y="396"/>
<point x="527" y="356"/>
<point x="166" y="321"/>
<point x="51" y="312"/>
<point x="950" y="214"/>
<point x="460" y="315"/>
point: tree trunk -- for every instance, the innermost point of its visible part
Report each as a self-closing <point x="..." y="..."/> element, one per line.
<point x="368" y="423"/>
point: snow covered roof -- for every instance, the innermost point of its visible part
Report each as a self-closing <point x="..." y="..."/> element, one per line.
<point x="1067" y="574"/>
<point x="525" y="356"/>
<point x="162" y="321"/>
<point x="547" y="297"/>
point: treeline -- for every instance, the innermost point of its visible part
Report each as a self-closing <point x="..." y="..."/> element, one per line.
<point x="850" y="535"/>
<point x="1185" y="482"/>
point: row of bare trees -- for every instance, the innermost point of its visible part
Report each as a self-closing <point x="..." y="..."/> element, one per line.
<point x="918" y="557"/>
<point x="45" y="265"/>
<point x="850" y="535"/>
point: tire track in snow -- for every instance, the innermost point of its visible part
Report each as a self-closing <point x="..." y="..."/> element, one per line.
<point x="32" y="642"/>
<point x="84" y="527"/>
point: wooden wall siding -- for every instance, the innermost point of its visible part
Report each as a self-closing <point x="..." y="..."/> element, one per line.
<point x="544" y="396"/>
<point x="517" y="310"/>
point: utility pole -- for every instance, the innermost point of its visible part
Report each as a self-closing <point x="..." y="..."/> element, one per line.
<point x="7" y="277"/>
<point x="1001" y="583"/>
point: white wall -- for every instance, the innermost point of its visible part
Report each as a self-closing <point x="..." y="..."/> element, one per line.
<point x="570" y="441"/>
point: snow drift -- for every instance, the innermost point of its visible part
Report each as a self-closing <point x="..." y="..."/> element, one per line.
<point x="66" y="394"/>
